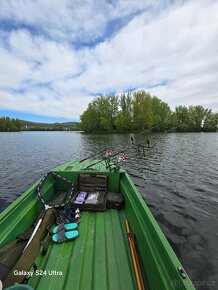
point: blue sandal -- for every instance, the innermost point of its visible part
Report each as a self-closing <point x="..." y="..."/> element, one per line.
<point x="63" y="236"/>
<point x="65" y="227"/>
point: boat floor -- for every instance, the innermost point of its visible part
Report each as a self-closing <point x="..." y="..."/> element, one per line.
<point x="98" y="259"/>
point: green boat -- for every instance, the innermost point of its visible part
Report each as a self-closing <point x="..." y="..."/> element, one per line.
<point x="101" y="257"/>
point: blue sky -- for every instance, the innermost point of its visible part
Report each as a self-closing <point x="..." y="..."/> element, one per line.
<point x="56" y="56"/>
<point x="34" y="118"/>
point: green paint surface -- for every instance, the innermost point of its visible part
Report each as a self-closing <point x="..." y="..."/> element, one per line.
<point x="100" y="257"/>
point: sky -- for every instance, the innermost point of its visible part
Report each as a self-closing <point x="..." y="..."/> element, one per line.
<point x="57" y="56"/>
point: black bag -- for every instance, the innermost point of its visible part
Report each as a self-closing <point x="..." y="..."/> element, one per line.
<point x="114" y="200"/>
<point x="95" y="185"/>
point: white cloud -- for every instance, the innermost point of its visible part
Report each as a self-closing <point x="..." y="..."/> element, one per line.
<point x="170" y="51"/>
<point x="12" y="70"/>
<point x="82" y="20"/>
<point x="43" y="102"/>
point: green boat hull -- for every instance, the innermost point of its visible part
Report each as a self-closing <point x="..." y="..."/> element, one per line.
<point x="100" y="258"/>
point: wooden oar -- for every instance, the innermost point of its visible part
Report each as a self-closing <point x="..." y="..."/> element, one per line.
<point x="137" y="268"/>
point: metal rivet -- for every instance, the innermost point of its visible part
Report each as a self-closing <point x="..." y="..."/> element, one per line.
<point x="182" y="272"/>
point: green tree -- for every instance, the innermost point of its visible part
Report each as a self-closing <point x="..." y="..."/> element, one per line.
<point x="124" y="122"/>
<point x="182" y="118"/>
<point x="100" y="114"/>
<point x="142" y="110"/>
<point x="211" y="123"/>
<point x="161" y="114"/>
<point x="9" y="125"/>
<point x="197" y="115"/>
<point x="114" y="110"/>
<point x="89" y="119"/>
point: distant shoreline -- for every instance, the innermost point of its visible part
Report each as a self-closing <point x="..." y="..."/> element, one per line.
<point x="15" y="125"/>
<point x="106" y="133"/>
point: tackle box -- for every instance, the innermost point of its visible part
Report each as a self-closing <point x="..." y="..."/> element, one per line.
<point x="114" y="200"/>
<point x="92" y="192"/>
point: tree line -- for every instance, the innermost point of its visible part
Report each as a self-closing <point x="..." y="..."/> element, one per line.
<point x="139" y="111"/>
<point x="55" y="128"/>
<point x="15" y="125"/>
<point x="9" y="124"/>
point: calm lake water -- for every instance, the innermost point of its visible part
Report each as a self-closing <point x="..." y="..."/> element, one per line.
<point x="178" y="179"/>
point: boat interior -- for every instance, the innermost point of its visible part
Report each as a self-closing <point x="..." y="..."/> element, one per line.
<point x="100" y="258"/>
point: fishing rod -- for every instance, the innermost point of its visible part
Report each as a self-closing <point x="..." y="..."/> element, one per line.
<point x="106" y="158"/>
<point x="99" y="152"/>
<point x="142" y="146"/>
<point x="151" y="128"/>
<point x="106" y="148"/>
<point x="165" y="132"/>
<point x="162" y="133"/>
<point x="147" y="147"/>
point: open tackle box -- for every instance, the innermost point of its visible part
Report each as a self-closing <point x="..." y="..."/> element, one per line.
<point x="93" y="194"/>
